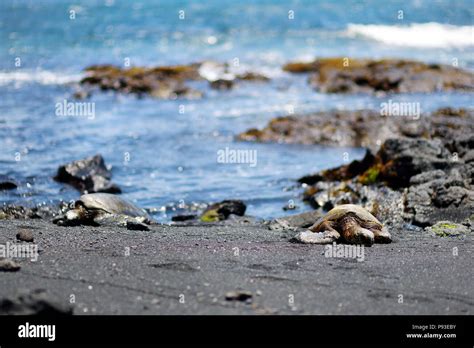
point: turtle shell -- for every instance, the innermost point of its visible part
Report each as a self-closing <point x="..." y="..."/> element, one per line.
<point x="111" y="204"/>
<point x="340" y="211"/>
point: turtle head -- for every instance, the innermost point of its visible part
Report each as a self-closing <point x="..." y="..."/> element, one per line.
<point x="82" y="213"/>
<point x="79" y="215"/>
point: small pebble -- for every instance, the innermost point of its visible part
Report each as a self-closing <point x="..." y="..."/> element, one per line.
<point x="137" y="226"/>
<point x="25" y="235"/>
<point x="242" y="296"/>
<point x="183" y="217"/>
<point x="8" y="265"/>
<point x="7" y="185"/>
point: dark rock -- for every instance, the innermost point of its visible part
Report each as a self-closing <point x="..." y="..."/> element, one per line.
<point x="161" y="82"/>
<point x="242" y="296"/>
<point x="439" y="195"/>
<point x="301" y="67"/>
<point x="25" y="236"/>
<point x="81" y="94"/>
<point x="37" y="302"/>
<point x="164" y="82"/>
<point x="222" y="210"/>
<point x="183" y="217"/>
<point x="334" y="128"/>
<point x="233" y="219"/>
<point x="8" y="265"/>
<point x="136" y="226"/>
<point x="344" y="75"/>
<point x="427" y="177"/>
<point x="252" y="76"/>
<point x="400" y="159"/>
<point x="222" y="84"/>
<point x="7" y="185"/>
<point x="19" y="212"/>
<point x="290" y="206"/>
<point x="344" y="172"/>
<point x="448" y="229"/>
<point x="366" y="128"/>
<point x="394" y="164"/>
<point x="88" y="175"/>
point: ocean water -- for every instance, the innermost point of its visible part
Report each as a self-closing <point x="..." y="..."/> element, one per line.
<point x="162" y="157"/>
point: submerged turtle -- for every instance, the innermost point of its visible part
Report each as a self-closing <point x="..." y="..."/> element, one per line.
<point x="349" y="223"/>
<point x="99" y="208"/>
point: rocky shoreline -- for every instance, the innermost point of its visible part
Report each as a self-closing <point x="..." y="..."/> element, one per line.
<point x="362" y="128"/>
<point x="163" y="82"/>
<point x="325" y="75"/>
<point x="418" y="166"/>
<point x="347" y="75"/>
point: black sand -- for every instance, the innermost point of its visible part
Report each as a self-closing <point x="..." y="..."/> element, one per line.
<point x="203" y="264"/>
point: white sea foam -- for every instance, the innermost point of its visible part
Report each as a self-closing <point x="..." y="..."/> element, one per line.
<point x="213" y="71"/>
<point x="43" y="77"/>
<point x="423" y="35"/>
<point x="280" y="108"/>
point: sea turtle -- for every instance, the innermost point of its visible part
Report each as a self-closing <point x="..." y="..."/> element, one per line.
<point x="100" y="208"/>
<point x="349" y="223"/>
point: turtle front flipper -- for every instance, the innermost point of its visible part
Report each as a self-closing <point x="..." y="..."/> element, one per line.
<point x="77" y="216"/>
<point x="382" y="236"/>
<point x="321" y="232"/>
<point x="309" y="237"/>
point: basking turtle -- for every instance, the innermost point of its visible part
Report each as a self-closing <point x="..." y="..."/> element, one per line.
<point x="99" y="208"/>
<point x="348" y="223"/>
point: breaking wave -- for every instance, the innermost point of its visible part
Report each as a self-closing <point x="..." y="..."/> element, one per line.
<point x="43" y="77"/>
<point x="423" y="35"/>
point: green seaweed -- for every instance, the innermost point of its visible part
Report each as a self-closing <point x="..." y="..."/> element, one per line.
<point x="447" y="225"/>
<point x="210" y="216"/>
<point x="370" y="176"/>
<point x="446" y="229"/>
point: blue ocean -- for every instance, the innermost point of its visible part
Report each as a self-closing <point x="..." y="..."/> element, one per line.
<point x="163" y="153"/>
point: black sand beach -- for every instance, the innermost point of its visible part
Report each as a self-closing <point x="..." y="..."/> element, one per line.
<point x="189" y="270"/>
